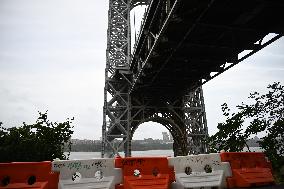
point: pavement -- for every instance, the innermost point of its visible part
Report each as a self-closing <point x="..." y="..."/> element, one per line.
<point x="280" y="186"/>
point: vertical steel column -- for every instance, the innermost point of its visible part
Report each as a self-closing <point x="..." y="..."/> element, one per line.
<point x="195" y="121"/>
<point x="116" y="123"/>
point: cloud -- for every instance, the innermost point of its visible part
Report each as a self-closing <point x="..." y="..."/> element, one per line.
<point x="52" y="57"/>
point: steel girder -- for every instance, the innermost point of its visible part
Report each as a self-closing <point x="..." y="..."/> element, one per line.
<point x="134" y="3"/>
<point x="115" y="129"/>
<point x="195" y="121"/>
<point x="123" y="111"/>
<point x="195" y="39"/>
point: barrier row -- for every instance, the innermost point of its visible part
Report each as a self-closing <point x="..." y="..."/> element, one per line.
<point x="224" y="170"/>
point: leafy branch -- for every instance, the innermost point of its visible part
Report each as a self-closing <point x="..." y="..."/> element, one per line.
<point x="41" y="141"/>
<point x="265" y="114"/>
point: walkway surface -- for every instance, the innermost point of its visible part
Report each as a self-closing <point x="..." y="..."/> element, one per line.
<point x="281" y="186"/>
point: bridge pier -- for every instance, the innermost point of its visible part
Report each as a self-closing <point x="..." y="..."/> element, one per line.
<point x="184" y="116"/>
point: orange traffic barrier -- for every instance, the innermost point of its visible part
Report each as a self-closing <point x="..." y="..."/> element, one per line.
<point x="53" y="180"/>
<point x="248" y="169"/>
<point x="36" y="175"/>
<point x="145" y="172"/>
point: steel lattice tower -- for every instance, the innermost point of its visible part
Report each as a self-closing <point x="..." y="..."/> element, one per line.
<point x="123" y="112"/>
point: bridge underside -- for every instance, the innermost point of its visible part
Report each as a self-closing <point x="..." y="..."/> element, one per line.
<point x="197" y="41"/>
<point x="182" y="44"/>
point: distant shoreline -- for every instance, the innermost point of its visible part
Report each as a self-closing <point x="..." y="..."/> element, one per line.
<point x="137" y="145"/>
<point x="89" y="155"/>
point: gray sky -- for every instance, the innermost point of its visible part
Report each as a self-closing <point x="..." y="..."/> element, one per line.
<point x="52" y="57"/>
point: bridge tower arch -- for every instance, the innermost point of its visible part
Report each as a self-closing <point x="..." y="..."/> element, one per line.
<point x="124" y="111"/>
<point x="178" y="134"/>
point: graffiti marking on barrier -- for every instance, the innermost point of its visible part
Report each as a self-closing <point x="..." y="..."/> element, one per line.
<point x="132" y="162"/>
<point x="58" y="165"/>
<point x="216" y="163"/>
<point x="86" y="166"/>
<point x="74" y="165"/>
<point x="98" y="164"/>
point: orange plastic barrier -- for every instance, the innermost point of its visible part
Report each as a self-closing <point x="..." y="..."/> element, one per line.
<point x="248" y="169"/>
<point x="29" y="175"/>
<point x="53" y="180"/>
<point x="145" y="172"/>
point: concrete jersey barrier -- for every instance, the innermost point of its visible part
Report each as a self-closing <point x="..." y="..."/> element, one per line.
<point x="196" y="171"/>
<point x="91" y="173"/>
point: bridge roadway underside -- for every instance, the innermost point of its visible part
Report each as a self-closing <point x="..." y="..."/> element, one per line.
<point x="197" y="39"/>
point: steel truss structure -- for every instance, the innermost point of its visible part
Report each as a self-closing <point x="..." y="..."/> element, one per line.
<point x="124" y="110"/>
<point x="182" y="45"/>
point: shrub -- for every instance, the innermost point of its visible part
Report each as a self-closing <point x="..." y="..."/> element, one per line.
<point x="41" y="141"/>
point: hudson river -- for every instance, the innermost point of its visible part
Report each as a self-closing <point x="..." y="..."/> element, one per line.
<point x="89" y="155"/>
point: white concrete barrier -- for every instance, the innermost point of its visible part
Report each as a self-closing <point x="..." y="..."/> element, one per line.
<point x="91" y="173"/>
<point x="203" y="170"/>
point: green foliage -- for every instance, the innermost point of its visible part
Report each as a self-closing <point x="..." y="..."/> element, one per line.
<point x="41" y="141"/>
<point x="273" y="144"/>
<point x="265" y="114"/>
<point x="230" y="136"/>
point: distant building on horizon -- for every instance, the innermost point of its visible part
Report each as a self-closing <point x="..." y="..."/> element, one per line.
<point x="166" y="137"/>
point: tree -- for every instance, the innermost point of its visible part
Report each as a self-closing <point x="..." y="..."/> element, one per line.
<point x="41" y="141"/>
<point x="265" y="114"/>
